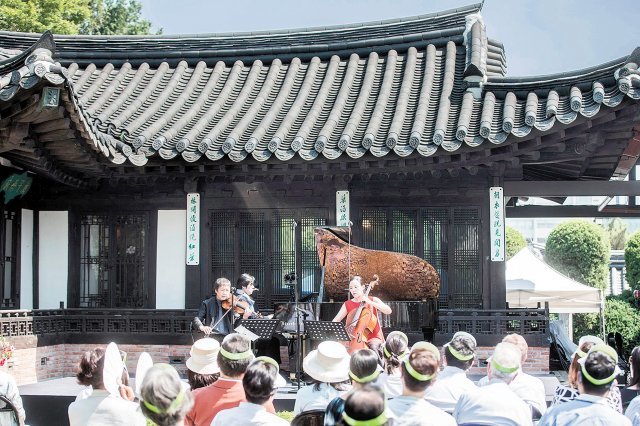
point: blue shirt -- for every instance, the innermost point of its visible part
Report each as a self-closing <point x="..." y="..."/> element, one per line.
<point x="584" y="410"/>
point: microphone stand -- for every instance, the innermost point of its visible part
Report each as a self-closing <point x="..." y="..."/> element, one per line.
<point x="296" y="293"/>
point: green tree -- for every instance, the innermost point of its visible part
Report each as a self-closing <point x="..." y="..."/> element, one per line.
<point x="37" y="16"/>
<point x="632" y="261"/>
<point x="105" y="17"/>
<point x="515" y="242"/>
<point x="111" y="17"/>
<point x="617" y="231"/>
<point x="580" y="250"/>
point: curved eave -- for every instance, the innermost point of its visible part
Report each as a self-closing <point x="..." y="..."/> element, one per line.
<point x="302" y="43"/>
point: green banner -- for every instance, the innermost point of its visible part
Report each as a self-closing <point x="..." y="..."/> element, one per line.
<point x="15" y="185"/>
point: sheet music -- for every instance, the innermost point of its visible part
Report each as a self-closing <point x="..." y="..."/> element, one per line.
<point x="247" y="333"/>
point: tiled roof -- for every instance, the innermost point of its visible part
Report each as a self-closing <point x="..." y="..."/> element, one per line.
<point x="446" y="96"/>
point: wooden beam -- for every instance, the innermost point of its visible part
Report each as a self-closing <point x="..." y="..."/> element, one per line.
<point x="571" y="211"/>
<point x="570" y="188"/>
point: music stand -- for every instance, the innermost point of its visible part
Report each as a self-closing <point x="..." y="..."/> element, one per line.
<point x="263" y="328"/>
<point x="326" y="330"/>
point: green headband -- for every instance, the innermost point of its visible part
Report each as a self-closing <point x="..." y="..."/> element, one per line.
<point x="388" y="354"/>
<point x="370" y="378"/>
<point x="610" y="352"/>
<point x="268" y="360"/>
<point x="172" y="407"/>
<point x="236" y="356"/>
<point x="457" y="355"/>
<point x="413" y="373"/>
<point x="503" y="369"/>
<point x="426" y="346"/>
<point x="581" y="354"/>
<point x="598" y="382"/>
<point x="378" y="421"/>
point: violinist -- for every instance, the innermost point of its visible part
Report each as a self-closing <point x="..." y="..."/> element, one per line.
<point x="373" y="304"/>
<point x="213" y="315"/>
<point x="246" y="285"/>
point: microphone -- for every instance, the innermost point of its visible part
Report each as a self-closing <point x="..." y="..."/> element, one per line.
<point x="294" y="224"/>
<point x="255" y="289"/>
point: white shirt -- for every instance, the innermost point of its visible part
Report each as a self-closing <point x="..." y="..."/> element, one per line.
<point x="309" y="399"/>
<point x="247" y="414"/>
<point x="448" y="387"/>
<point x="412" y="411"/>
<point x="390" y="384"/>
<point x="633" y="411"/>
<point x="527" y="387"/>
<point x="584" y="410"/>
<point x="101" y="409"/>
<point x="9" y="388"/>
<point x="493" y="404"/>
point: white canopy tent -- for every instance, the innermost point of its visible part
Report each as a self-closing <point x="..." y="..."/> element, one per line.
<point x="531" y="281"/>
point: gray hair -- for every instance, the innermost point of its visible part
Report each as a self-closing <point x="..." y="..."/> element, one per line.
<point x="163" y="398"/>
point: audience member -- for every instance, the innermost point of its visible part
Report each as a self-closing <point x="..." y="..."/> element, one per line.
<point x="395" y="347"/>
<point x="366" y="406"/>
<point x="496" y="403"/>
<point x="459" y="355"/>
<point x="633" y="389"/>
<point x="597" y="374"/>
<point x="260" y="385"/>
<point x="234" y="357"/>
<point x="363" y="369"/>
<point x="526" y="386"/>
<point x="164" y="398"/>
<point x="569" y="392"/>
<point x="419" y="372"/>
<point x="202" y="368"/>
<point x="328" y="366"/>
<point x="9" y="389"/>
<point x="633" y="411"/>
<point x="101" y="408"/>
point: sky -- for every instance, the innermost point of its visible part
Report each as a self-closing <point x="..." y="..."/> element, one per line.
<point x="540" y="36"/>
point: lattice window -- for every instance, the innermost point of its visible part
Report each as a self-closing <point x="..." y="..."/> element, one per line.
<point x="223" y="242"/>
<point x="9" y="229"/>
<point x="435" y="229"/>
<point x="446" y="237"/>
<point x="113" y="261"/>
<point x="94" y="261"/>
<point x="374" y="229"/>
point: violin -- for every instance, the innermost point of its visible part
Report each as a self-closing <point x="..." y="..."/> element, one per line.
<point x="362" y="321"/>
<point x="239" y="306"/>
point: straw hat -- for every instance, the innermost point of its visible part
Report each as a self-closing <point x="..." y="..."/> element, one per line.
<point x="329" y="363"/>
<point x="204" y="353"/>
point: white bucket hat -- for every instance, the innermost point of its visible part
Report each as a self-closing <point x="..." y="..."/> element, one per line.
<point x="329" y="363"/>
<point x="204" y="353"/>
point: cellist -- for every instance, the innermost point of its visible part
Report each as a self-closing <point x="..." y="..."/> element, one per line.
<point x="357" y="290"/>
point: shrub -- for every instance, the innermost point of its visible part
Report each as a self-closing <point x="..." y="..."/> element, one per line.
<point x="619" y="316"/>
<point x="580" y="250"/>
<point x="515" y="242"/>
<point x="632" y="260"/>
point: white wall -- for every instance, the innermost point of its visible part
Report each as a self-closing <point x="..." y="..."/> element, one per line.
<point x="171" y="259"/>
<point x="53" y="262"/>
<point x="26" y="260"/>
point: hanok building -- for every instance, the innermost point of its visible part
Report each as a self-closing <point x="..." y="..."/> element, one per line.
<point x="414" y="117"/>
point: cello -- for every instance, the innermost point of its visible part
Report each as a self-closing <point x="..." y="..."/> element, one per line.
<point x="362" y="322"/>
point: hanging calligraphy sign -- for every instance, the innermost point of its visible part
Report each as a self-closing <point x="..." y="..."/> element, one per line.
<point x="342" y="208"/>
<point x="15" y="185"/>
<point x="496" y="209"/>
<point x="193" y="229"/>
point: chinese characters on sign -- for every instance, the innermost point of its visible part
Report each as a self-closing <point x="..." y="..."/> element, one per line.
<point x="342" y="208"/>
<point x="496" y="209"/>
<point x="15" y="185"/>
<point x="193" y="229"/>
